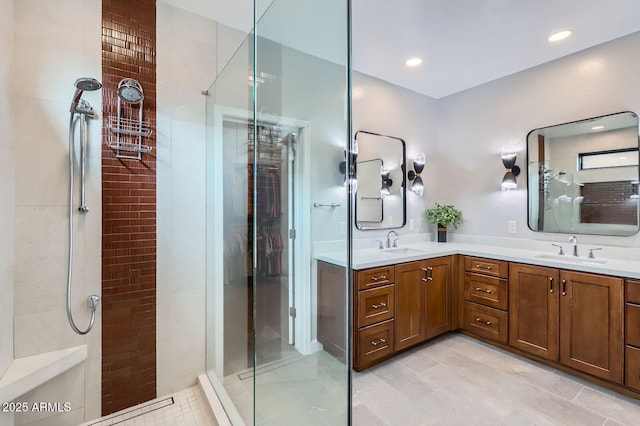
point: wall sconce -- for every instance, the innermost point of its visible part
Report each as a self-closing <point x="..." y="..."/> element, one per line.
<point x="417" y="186"/>
<point x="509" y="155"/>
<point x="385" y="189"/>
<point x="350" y="178"/>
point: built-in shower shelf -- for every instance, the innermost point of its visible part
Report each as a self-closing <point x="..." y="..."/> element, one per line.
<point x="27" y="373"/>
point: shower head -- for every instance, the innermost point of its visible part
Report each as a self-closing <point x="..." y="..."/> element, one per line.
<point x="88" y="84"/>
<point x="558" y="174"/>
<point x="84" y="84"/>
<point x="130" y="91"/>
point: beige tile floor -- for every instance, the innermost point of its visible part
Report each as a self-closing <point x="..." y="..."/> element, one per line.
<point x="299" y="390"/>
<point x="457" y="380"/>
<point x="453" y="380"/>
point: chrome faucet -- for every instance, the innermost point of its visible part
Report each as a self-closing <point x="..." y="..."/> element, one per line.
<point x="395" y="241"/>
<point x="574" y="241"/>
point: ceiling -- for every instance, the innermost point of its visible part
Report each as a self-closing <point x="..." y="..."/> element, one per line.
<point x="465" y="43"/>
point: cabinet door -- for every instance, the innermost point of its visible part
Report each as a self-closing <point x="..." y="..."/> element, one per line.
<point x="533" y="309"/>
<point x="591" y="309"/>
<point x="438" y="292"/>
<point x="332" y="329"/>
<point x="410" y="304"/>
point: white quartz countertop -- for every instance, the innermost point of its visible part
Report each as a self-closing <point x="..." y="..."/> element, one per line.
<point x="371" y="257"/>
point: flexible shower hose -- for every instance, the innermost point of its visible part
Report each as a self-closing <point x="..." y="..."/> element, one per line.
<point x="93" y="300"/>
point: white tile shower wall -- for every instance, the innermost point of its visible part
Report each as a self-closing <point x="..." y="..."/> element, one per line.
<point x="54" y="44"/>
<point x="7" y="201"/>
<point x="381" y="107"/>
<point x="476" y="123"/>
<point x="186" y="46"/>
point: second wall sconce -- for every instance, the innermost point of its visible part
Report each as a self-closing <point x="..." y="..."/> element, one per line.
<point x="417" y="186"/>
<point x="350" y="178"/>
<point x="509" y="156"/>
<point x="385" y="189"/>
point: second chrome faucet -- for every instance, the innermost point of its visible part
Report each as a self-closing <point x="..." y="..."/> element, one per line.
<point x="574" y="241"/>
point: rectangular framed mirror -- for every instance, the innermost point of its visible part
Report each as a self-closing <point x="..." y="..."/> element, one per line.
<point x="380" y="172"/>
<point x="583" y="176"/>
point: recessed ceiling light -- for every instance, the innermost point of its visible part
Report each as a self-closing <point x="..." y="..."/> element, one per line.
<point x="413" y="62"/>
<point x="559" y="36"/>
<point x="597" y="128"/>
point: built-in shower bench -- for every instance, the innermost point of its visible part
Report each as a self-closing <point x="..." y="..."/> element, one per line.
<point x="27" y="373"/>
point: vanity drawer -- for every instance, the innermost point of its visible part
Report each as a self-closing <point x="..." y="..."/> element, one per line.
<point x="632" y="330"/>
<point x="375" y="305"/>
<point x="633" y="292"/>
<point x="486" y="322"/>
<point x="497" y="268"/>
<point x="632" y="368"/>
<point x="374" y="342"/>
<point x="488" y="291"/>
<point x="375" y="277"/>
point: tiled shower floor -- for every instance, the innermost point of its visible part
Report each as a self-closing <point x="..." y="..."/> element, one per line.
<point x="185" y="408"/>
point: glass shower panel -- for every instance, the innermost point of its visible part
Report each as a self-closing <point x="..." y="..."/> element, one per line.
<point x="301" y="135"/>
<point x="230" y="234"/>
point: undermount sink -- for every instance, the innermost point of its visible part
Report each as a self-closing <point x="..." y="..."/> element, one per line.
<point x="401" y="250"/>
<point x="572" y="259"/>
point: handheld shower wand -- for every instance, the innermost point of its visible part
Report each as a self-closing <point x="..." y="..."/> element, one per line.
<point x="85" y="84"/>
<point x="81" y="107"/>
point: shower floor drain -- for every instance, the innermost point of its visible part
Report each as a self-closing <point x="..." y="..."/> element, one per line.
<point x="132" y="413"/>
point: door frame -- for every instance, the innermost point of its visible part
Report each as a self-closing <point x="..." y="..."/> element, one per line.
<point x="301" y="245"/>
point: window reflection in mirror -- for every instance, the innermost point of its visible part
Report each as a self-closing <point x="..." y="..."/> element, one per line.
<point x="583" y="176"/>
<point x="380" y="170"/>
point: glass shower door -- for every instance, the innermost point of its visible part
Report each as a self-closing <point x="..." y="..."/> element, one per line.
<point x="230" y="235"/>
<point x="301" y="95"/>
<point x="277" y="129"/>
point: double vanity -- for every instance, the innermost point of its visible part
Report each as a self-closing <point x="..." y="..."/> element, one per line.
<point x="578" y="314"/>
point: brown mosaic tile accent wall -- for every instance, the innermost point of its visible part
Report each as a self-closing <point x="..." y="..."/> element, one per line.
<point x="128" y="214"/>
<point x="609" y="202"/>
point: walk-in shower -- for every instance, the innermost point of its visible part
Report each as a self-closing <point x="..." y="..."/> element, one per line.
<point x="80" y="110"/>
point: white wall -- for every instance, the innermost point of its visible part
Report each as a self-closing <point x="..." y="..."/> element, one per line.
<point x="475" y="124"/>
<point x="7" y="202"/>
<point x="55" y="43"/>
<point x="190" y="49"/>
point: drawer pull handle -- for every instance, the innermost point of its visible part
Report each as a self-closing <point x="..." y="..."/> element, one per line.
<point x="483" y="267"/>
<point x="484" y="290"/>
<point x="381" y="305"/>
<point x="381" y="277"/>
<point x="550" y="284"/>
<point x="377" y="342"/>
<point x="564" y="287"/>
<point x="481" y="320"/>
<point x="425" y="279"/>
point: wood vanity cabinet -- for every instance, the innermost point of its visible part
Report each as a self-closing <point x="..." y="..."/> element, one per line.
<point x="374" y="307"/>
<point x="533" y="309"/>
<point x="423" y="301"/>
<point x="332" y="329"/>
<point x="573" y="317"/>
<point x="591" y="324"/>
<point x="632" y="335"/>
<point x="485" y="298"/>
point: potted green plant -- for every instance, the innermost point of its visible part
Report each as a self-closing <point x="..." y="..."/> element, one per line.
<point x="443" y="216"/>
